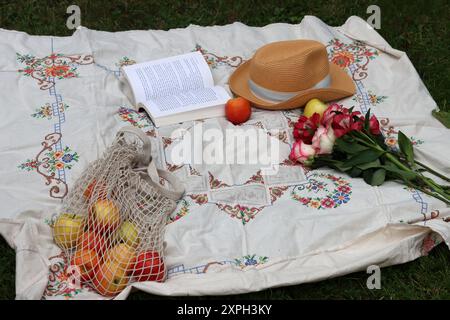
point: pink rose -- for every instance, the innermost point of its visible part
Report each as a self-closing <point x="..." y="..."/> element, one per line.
<point x="342" y="120"/>
<point x="323" y="140"/>
<point x="346" y="122"/>
<point x="331" y="111"/>
<point x="302" y="152"/>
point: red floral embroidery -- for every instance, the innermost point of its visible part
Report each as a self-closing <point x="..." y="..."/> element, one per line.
<point x="216" y="183"/>
<point x="256" y="178"/>
<point x="200" y="199"/>
<point x="325" y="199"/>
<point x="241" y="212"/>
<point x="428" y="244"/>
<point x="343" y="59"/>
<point x="327" y="202"/>
<point x="215" y="61"/>
<point x="55" y="66"/>
<point x="355" y="54"/>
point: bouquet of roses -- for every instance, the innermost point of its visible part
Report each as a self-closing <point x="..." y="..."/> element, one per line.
<point x="350" y="142"/>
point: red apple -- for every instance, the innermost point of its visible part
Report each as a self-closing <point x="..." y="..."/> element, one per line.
<point x="94" y="189"/>
<point x="148" y="267"/>
<point x="86" y="260"/>
<point x="92" y="241"/>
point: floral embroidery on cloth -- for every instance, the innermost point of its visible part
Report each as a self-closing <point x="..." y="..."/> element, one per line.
<point x="215" y="61"/>
<point x="58" y="280"/>
<point x="55" y="66"/>
<point x="215" y="183"/>
<point x="46" y="111"/>
<point x="390" y="134"/>
<point x="125" y="61"/>
<point x="429" y="242"/>
<point x="53" y="159"/>
<point x="51" y="163"/>
<point x="241" y="212"/>
<point x="134" y="118"/>
<point x="245" y="213"/>
<point x="373" y="99"/>
<point x="355" y="53"/>
<point x="316" y="193"/>
<point x="181" y="212"/>
<point x="251" y="260"/>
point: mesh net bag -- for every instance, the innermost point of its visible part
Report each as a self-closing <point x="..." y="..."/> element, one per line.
<point x="111" y="225"/>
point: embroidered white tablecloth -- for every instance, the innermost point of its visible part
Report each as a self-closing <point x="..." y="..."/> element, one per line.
<point x="236" y="230"/>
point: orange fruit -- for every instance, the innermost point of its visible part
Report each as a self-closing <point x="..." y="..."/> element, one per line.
<point x="238" y="110"/>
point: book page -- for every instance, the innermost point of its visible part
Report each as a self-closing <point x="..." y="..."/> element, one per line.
<point x="169" y="76"/>
<point x="187" y="101"/>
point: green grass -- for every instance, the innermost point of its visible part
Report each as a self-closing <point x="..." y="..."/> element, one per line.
<point x="426" y="278"/>
<point x="421" y="28"/>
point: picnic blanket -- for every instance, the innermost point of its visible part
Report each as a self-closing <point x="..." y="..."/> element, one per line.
<point x="236" y="230"/>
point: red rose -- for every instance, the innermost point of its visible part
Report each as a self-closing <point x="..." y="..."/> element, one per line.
<point x="305" y="128"/>
<point x="345" y="122"/>
<point x="374" y="125"/>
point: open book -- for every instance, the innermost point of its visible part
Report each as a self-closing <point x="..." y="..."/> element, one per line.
<point x="176" y="89"/>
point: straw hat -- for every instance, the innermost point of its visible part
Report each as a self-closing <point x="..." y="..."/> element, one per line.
<point x="287" y="74"/>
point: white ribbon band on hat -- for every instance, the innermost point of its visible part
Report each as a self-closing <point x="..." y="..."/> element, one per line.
<point x="279" y="96"/>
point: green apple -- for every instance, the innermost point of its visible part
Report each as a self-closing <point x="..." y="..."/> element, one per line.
<point x="314" y="106"/>
<point x="129" y="234"/>
<point x="67" y="230"/>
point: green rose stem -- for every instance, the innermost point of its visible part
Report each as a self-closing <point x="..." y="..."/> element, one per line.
<point x="428" y="193"/>
<point x="437" y="174"/>
<point x="436" y="187"/>
<point x="443" y="196"/>
<point x="429" y="182"/>
<point x="437" y="191"/>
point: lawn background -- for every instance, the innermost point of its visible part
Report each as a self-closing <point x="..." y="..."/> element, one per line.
<point x="421" y="28"/>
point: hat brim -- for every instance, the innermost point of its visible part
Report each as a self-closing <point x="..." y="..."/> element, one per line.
<point x="341" y="86"/>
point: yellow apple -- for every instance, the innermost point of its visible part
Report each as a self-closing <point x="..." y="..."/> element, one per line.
<point x="106" y="215"/>
<point x="314" y="106"/>
<point x="129" y="234"/>
<point x="67" y="230"/>
<point x="121" y="254"/>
